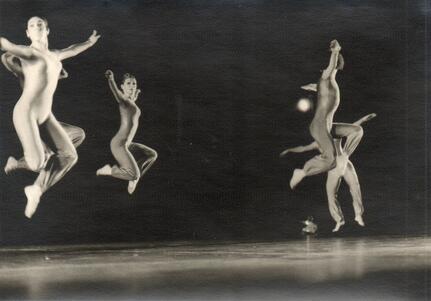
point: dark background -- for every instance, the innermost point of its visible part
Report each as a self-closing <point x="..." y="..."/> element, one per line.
<point x="220" y="81"/>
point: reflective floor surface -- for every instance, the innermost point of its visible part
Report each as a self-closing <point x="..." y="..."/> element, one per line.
<point x="385" y="268"/>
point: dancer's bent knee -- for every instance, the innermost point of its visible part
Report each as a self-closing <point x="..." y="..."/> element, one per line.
<point x="69" y="158"/>
<point x="80" y="137"/>
<point x="154" y="155"/>
<point x="358" y="131"/>
<point x="35" y="163"/>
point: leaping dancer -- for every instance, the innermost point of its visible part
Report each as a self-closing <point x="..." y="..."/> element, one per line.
<point x="76" y="134"/>
<point x="122" y="146"/>
<point x="41" y="69"/>
<point x="343" y="170"/>
<point x="328" y="99"/>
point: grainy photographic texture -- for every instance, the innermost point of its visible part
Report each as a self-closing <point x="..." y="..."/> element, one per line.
<point x="197" y="204"/>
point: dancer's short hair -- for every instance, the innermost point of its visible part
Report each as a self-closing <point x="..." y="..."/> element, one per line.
<point x="127" y="76"/>
<point x="45" y="20"/>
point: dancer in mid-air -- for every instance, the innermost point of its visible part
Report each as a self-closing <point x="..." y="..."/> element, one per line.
<point x="41" y="69"/>
<point x="344" y="170"/>
<point x="76" y="134"/>
<point x="122" y="146"/>
<point x="328" y="99"/>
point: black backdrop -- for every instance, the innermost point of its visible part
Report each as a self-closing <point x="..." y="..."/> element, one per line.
<point x="219" y="81"/>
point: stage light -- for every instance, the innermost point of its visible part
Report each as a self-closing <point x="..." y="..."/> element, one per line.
<point x="304" y="105"/>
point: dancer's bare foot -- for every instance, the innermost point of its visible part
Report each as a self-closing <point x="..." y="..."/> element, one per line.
<point x="360" y="221"/>
<point x="104" y="171"/>
<point x="132" y="186"/>
<point x="33" y="193"/>
<point x="11" y="165"/>
<point x="338" y="226"/>
<point x="298" y="175"/>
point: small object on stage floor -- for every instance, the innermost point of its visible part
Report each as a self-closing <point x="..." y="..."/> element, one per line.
<point x="310" y="226"/>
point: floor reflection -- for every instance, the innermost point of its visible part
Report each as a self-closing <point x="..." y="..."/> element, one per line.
<point x="377" y="268"/>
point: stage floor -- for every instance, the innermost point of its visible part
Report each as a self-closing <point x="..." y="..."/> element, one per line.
<point x="384" y="268"/>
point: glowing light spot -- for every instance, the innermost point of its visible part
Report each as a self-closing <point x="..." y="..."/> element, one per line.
<point x="304" y="105"/>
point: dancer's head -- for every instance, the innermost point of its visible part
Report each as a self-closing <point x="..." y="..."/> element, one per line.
<point x="37" y="29"/>
<point x="129" y="84"/>
<point x="340" y="62"/>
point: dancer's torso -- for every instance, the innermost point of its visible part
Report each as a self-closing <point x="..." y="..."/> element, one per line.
<point x="328" y="99"/>
<point x="41" y="74"/>
<point x="130" y="114"/>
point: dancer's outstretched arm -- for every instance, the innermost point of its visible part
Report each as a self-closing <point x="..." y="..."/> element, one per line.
<point x="76" y="49"/>
<point x="300" y="149"/>
<point x="119" y="96"/>
<point x="365" y="118"/>
<point x="310" y="87"/>
<point x="335" y="50"/>
<point x="20" y="51"/>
